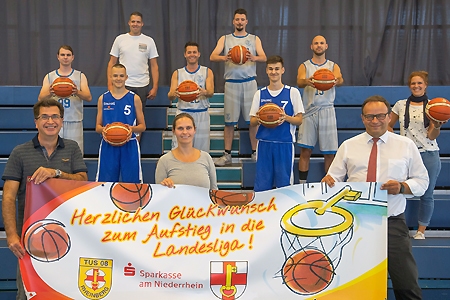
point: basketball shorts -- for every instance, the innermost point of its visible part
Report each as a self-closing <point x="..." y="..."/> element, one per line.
<point x="238" y="97"/>
<point x="319" y="126"/>
<point x="274" y="165"/>
<point x="73" y="131"/>
<point x="121" y="163"/>
<point x="202" y="124"/>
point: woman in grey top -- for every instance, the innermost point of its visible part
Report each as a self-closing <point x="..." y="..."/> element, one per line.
<point x="186" y="164"/>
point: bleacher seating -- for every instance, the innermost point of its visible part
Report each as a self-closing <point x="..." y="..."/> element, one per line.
<point x="17" y="126"/>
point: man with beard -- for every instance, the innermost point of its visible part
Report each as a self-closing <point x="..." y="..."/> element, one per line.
<point x="240" y="81"/>
<point x="319" y="119"/>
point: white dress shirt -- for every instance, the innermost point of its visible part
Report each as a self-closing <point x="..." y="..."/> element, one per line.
<point x="397" y="159"/>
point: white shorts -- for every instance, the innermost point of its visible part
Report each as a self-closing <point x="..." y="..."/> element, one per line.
<point x="320" y="125"/>
<point x="73" y="131"/>
<point x="237" y="97"/>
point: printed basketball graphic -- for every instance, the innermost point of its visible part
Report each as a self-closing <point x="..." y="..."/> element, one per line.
<point x="47" y="240"/>
<point x="223" y="198"/>
<point x="130" y="196"/>
<point x="308" y="271"/>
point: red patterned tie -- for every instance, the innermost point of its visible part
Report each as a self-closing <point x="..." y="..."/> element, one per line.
<point x="372" y="167"/>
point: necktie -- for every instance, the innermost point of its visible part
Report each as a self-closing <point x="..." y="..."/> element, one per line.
<point x="372" y="167"/>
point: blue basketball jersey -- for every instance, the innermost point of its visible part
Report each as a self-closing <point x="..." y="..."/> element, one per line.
<point x="119" y="110"/>
<point x="285" y="132"/>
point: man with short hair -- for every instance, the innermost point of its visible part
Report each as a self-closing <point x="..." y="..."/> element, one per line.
<point x="378" y="155"/>
<point x="46" y="156"/>
<point x="73" y="105"/>
<point x="136" y="51"/>
<point x="240" y="81"/>
<point x="198" y="108"/>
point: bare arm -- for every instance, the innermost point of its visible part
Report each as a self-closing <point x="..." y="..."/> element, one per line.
<point x="434" y="129"/>
<point x="140" y="120"/>
<point x="208" y="92"/>
<point x="295" y="120"/>
<point x="394" y="119"/>
<point x="260" y="55"/>
<point x="45" y="92"/>
<point x="10" y="190"/>
<point x="302" y="81"/>
<point x="99" y="123"/>
<point x="254" y="121"/>
<point x="173" y="94"/>
<point x="42" y="174"/>
<point x="338" y="75"/>
<point x="154" y="69"/>
<point x="112" y="61"/>
<point x="215" y="55"/>
<point x="84" y="93"/>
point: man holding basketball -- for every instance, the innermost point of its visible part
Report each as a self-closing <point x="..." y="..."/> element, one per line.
<point x="319" y="120"/>
<point x="136" y="51"/>
<point x="46" y="156"/>
<point x="120" y="105"/>
<point x="275" y="151"/>
<point x="240" y="81"/>
<point x="399" y="169"/>
<point x="73" y="105"/>
<point x="198" y="108"/>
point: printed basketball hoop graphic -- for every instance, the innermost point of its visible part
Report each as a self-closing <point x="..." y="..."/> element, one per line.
<point x="313" y="237"/>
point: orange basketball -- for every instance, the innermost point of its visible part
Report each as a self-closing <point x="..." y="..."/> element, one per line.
<point x="239" y="54"/>
<point x="47" y="241"/>
<point x="308" y="271"/>
<point x="130" y="196"/>
<point x="224" y="198"/>
<point x="269" y="115"/>
<point x="438" y="109"/>
<point x="188" y="90"/>
<point x="116" y="134"/>
<point x="63" y="86"/>
<point x="323" y="79"/>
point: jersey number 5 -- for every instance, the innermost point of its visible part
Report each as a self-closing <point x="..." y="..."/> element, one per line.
<point x="127" y="110"/>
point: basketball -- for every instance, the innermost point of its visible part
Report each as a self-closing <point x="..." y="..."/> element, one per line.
<point x="63" y="87"/>
<point x="130" y="196"/>
<point x="47" y="241"/>
<point x="270" y="115"/>
<point x="117" y="133"/>
<point x="438" y="109"/>
<point x="188" y="90"/>
<point x="239" y="54"/>
<point x="224" y="198"/>
<point x="323" y="79"/>
<point x="308" y="271"/>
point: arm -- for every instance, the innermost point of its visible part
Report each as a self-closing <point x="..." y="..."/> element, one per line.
<point x="295" y="120"/>
<point x="209" y="91"/>
<point x="215" y="55"/>
<point x="84" y="93"/>
<point x="112" y="62"/>
<point x="154" y="69"/>
<point x="45" y="92"/>
<point x="10" y="190"/>
<point x="302" y="81"/>
<point x="212" y="174"/>
<point x="173" y="94"/>
<point x="99" y="123"/>
<point x="42" y="174"/>
<point x="161" y="174"/>
<point x="394" y="119"/>
<point x="338" y="168"/>
<point x="254" y="121"/>
<point x="434" y="129"/>
<point x="338" y="75"/>
<point x="140" y="119"/>
<point x="260" y="55"/>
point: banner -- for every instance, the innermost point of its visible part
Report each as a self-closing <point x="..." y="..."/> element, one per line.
<point x="94" y="240"/>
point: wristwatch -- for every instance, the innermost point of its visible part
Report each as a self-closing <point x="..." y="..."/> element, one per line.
<point x="57" y="173"/>
<point x="402" y="188"/>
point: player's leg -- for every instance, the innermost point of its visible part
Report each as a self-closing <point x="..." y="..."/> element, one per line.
<point x="74" y="131"/>
<point x="249" y="91"/>
<point x="328" y="139"/>
<point x="130" y="162"/>
<point x="202" y="134"/>
<point x="264" y="168"/>
<point x="108" y="163"/>
<point x="283" y="163"/>
<point x="307" y="138"/>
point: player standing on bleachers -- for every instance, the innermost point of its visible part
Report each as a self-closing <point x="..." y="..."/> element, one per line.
<point x="275" y="151"/>
<point x="240" y="81"/>
<point x="319" y="119"/>
<point x="46" y="156"/>
<point x="198" y="108"/>
<point x="73" y="105"/>
<point x="120" y="105"/>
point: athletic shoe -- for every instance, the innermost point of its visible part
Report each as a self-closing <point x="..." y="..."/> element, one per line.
<point x="254" y="156"/>
<point x="419" y="236"/>
<point x="225" y="159"/>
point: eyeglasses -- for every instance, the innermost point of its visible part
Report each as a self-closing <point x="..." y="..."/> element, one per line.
<point x="54" y="117"/>
<point x="379" y="117"/>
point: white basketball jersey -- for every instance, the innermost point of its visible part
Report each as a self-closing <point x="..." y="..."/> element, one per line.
<point x="199" y="77"/>
<point x="244" y="71"/>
